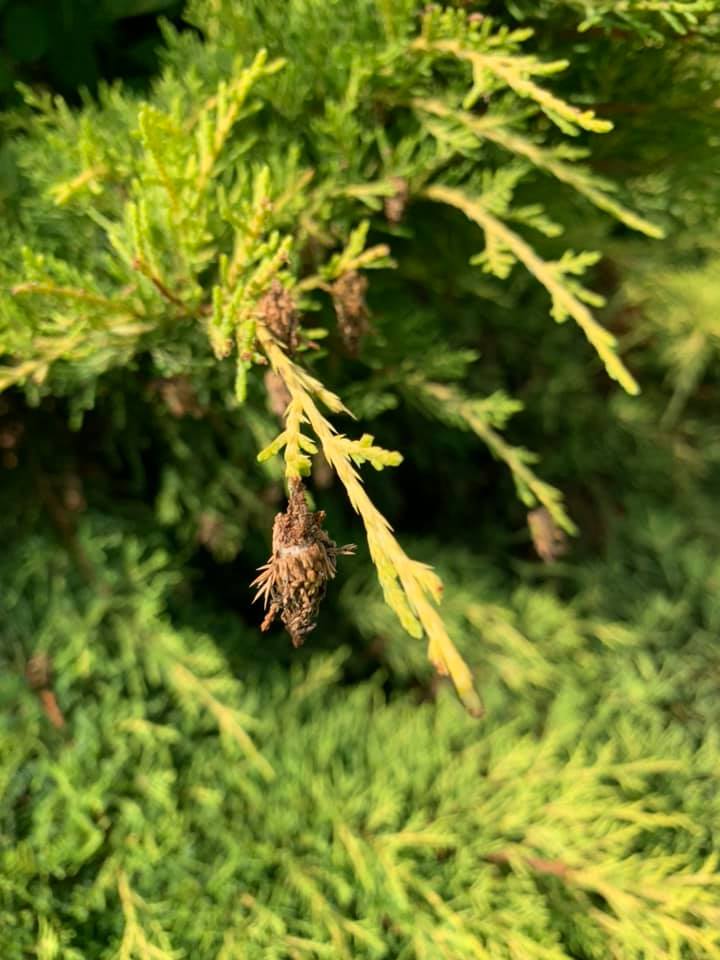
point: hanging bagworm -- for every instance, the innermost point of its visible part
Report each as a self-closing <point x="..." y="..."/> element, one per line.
<point x="548" y="539"/>
<point x="348" y="293"/>
<point x="278" y="312"/>
<point x="396" y="203"/>
<point x="292" y="583"/>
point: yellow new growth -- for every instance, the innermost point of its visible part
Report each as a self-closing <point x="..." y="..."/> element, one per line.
<point x="135" y="944"/>
<point x="225" y="108"/>
<point x="515" y="73"/>
<point x="411" y="588"/>
<point x="565" y="302"/>
<point x="491" y="128"/>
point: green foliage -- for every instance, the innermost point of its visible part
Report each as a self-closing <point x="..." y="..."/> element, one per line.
<point x="184" y="812"/>
<point x="389" y="211"/>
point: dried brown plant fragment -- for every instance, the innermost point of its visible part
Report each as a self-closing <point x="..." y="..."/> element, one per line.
<point x="38" y="673"/>
<point x="178" y="395"/>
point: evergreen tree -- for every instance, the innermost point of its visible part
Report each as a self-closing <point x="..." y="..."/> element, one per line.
<point x="478" y="230"/>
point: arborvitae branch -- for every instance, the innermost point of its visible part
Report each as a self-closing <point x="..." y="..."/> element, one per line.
<point x="566" y="295"/>
<point x="410" y="588"/>
<point x="493" y="128"/>
<point x="447" y="402"/>
<point x="515" y="72"/>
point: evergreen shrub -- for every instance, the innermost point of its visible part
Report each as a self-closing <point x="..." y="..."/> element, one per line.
<point x="332" y="237"/>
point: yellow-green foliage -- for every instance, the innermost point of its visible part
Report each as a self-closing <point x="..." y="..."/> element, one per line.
<point x="185" y="812"/>
<point x="450" y="180"/>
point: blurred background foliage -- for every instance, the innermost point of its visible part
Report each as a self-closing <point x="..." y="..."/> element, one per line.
<point x="70" y="45"/>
